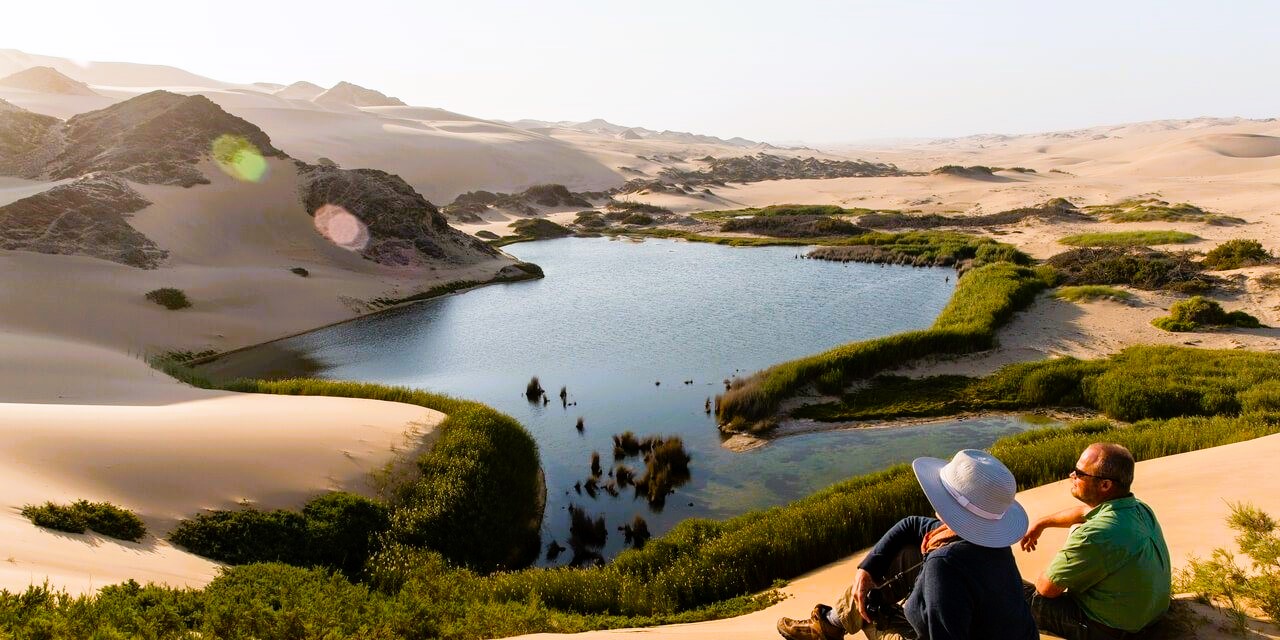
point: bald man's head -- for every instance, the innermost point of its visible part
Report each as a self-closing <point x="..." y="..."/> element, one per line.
<point x="1114" y="462"/>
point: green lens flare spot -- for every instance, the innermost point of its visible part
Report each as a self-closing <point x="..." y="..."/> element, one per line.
<point x="239" y="158"/>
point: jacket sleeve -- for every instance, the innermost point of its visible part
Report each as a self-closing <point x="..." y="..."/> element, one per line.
<point x="909" y="531"/>
<point x="946" y="603"/>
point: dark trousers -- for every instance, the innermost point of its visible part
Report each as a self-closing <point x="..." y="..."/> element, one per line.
<point x="1063" y="617"/>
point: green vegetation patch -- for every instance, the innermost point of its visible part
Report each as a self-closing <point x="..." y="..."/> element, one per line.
<point x="1139" y="268"/>
<point x="101" y="517"/>
<point x="169" y="298"/>
<point x="975" y="171"/>
<point x="1087" y="292"/>
<point x="1057" y="209"/>
<point x="1237" y="253"/>
<point x="1152" y="209"/>
<point x="522" y="271"/>
<point x="1199" y="312"/>
<point x="781" y="210"/>
<point x="529" y="229"/>
<point x="1128" y="238"/>
<point x="1144" y="382"/>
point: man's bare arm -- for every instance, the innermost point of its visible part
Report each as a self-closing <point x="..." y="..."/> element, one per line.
<point x="1064" y="518"/>
<point x="1046" y="587"/>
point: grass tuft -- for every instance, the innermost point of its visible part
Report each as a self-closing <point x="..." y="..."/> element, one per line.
<point x="1128" y="238"/>
<point x="1087" y="292"/>
<point x="169" y="298"/>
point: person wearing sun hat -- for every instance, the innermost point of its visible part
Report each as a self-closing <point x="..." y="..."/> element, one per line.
<point x="956" y="572"/>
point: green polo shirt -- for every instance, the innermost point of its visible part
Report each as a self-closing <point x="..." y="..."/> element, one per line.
<point x="1116" y="565"/>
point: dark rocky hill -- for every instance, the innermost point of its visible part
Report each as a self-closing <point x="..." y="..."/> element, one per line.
<point x="403" y="227"/>
<point x="47" y="80"/>
<point x="155" y="138"/>
<point x="27" y="141"/>
<point x="85" y="218"/>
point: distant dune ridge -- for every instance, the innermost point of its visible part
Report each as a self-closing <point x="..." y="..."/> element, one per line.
<point x="356" y="96"/>
<point x="301" y="90"/>
<point x="47" y="80"/>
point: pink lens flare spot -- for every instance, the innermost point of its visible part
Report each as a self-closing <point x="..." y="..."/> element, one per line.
<point x="341" y="227"/>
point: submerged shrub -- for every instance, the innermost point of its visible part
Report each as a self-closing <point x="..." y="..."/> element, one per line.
<point x="169" y="298"/>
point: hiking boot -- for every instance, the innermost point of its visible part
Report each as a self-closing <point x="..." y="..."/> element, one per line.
<point x="817" y="627"/>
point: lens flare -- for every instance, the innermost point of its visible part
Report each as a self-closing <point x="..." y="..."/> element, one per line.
<point x="341" y="228"/>
<point x="239" y="158"/>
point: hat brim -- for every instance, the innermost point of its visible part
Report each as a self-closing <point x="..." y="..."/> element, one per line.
<point x="983" y="532"/>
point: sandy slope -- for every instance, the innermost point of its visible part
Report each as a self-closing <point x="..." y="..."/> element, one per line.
<point x="1186" y="492"/>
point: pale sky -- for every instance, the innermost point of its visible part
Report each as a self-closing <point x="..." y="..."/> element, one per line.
<point x="781" y="71"/>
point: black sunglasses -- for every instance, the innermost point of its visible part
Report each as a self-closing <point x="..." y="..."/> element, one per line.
<point x="1080" y="474"/>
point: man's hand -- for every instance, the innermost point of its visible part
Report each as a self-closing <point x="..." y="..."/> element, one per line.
<point x="1033" y="536"/>
<point x="863" y="583"/>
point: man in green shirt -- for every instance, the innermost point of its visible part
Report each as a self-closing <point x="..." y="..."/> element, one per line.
<point x="1112" y="577"/>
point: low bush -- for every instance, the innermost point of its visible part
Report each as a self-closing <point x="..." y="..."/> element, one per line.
<point x="1128" y="238"/>
<point x="794" y="226"/>
<point x="300" y="271"/>
<point x="1138" y="268"/>
<point x="536" y="229"/>
<point x="485" y="234"/>
<point x="641" y="219"/>
<point x="781" y="210"/>
<point x="81" y="515"/>
<point x="1084" y="293"/>
<point x="636" y="207"/>
<point x="169" y="298"/>
<point x="1202" y="313"/>
<point x="1236" y="253"/>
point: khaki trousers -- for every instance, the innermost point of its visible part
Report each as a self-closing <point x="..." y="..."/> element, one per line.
<point x="907" y="560"/>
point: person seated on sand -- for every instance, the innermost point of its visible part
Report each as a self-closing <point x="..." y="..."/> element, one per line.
<point x="955" y="571"/>
<point x="1112" y="576"/>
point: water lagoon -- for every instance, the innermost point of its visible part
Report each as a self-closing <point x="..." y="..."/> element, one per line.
<point x="642" y="334"/>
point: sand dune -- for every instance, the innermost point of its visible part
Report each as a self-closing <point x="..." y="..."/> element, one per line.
<point x="1241" y="145"/>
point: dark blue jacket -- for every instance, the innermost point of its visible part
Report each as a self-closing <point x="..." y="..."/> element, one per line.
<point x="964" y="592"/>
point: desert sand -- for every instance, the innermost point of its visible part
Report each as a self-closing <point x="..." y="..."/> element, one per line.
<point x="85" y="417"/>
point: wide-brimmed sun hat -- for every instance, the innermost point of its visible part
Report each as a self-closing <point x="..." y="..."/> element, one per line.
<point x="974" y="495"/>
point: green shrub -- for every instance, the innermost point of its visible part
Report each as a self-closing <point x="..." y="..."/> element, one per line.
<point x="794" y="226"/>
<point x="1220" y="580"/>
<point x="300" y="271"/>
<point x="248" y="535"/>
<point x="486" y="234"/>
<point x="1128" y="238"/>
<point x="1236" y="253"/>
<point x="1138" y="268"/>
<point x="538" y="229"/>
<point x="342" y="530"/>
<point x="1198" y="312"/>
<point x="169" y="298"/>
<point x="642" y="219"/>
<point x="81" y="515"/>
<point x="1151" y="209"/>
<point x="1082" y="293"/>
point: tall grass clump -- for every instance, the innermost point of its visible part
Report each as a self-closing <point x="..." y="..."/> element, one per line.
<point x="1202" y="313"/>
<point x="1152" y="209"/>
<point x="169" y="298"/>
<point x="100" y="517"/>
<point x="1128" y="238"/>
<point x="985" y="298"/>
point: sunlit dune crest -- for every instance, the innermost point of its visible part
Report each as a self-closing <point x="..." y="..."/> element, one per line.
<point x="239" y="158"/>
<point x="341" y="228"/>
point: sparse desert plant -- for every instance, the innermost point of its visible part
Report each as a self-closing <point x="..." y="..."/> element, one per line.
<point x="1220" y="580"/>
<point x="1269" y="280"/>
<point x="300" y="271"/>
<point x="1236" y="253"/>
<point x="1199" y="312"/>
<point x="169" y="298"/>
<point x="1086" y="292"/>
<point x="100" y="517"/>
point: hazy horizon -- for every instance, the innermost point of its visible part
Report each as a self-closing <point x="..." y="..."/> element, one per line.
<point x="814" y="72"/>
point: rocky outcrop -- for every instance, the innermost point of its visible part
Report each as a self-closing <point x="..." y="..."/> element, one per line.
<point x="155" y="138"/>
<point x="83" y="218"/>
<point x="345" y="93"/>
<point x="469" y="206"/>
<point x="28" y="141"/>
<point x="47" y="80"/>
<point x="403" y="228"/>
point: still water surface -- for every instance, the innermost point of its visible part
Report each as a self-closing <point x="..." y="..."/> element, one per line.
<point x="623" y="325"/>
